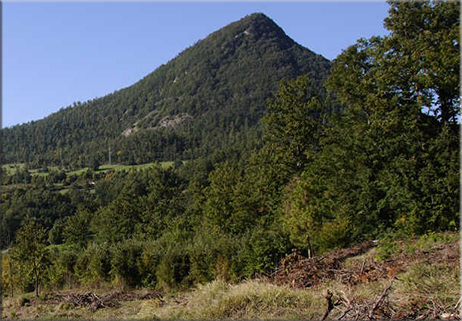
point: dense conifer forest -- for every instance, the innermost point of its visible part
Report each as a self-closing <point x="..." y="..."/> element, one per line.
<point x="210" y="97"/>
<point x="257" y="147"/>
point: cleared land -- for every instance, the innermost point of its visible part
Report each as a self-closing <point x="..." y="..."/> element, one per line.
<point x="10" y="169"/>
<point x="404" y="279"/>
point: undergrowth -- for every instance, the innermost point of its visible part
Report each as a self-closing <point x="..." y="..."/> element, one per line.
<point x="438" y="283"/>
<point x="396" y="244"/>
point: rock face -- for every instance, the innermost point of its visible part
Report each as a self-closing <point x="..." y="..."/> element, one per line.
<point x="217" y="86"/>
<point x="173" y="121"/>
<point x="166" y="122"/>
<point x="127" y="132"/>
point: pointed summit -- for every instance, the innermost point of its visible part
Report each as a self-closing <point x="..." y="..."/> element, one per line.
<point x="257" y="16"/>
<point x="261" y="25"/>
<point x="254" y="26"/>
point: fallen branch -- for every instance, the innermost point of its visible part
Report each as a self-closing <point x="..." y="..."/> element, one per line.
<point x="380" y="299"/>
<point x="423" y="316"/>
<point x="458" y="304"/>
<point x="344" y="313"/>
<point x="362" y="267"/>
<point x="330" y="304"/>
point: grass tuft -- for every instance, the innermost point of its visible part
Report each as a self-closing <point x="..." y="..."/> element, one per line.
<point x="247" y="300"/>
<point x="430" y="282"/>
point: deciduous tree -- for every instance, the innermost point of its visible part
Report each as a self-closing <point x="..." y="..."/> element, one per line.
<point x="30" y="251"/>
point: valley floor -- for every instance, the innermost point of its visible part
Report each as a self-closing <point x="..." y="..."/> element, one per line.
<point x="411" y="279"/>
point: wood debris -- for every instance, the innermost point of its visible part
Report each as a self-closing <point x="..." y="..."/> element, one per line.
<point x="298" y="271"/>
<point x="94" y="301"/>
<point x="302" y="272"/>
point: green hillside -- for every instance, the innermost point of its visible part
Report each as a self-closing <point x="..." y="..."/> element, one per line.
<point x="211" y="96"/>
<point x="358" y="207"/>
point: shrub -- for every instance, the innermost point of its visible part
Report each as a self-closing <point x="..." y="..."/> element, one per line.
<point x="124" y="262"/>
<point x="210" y="254"/>
<point x="260" y="251"/>
<point x="94" y="264"/>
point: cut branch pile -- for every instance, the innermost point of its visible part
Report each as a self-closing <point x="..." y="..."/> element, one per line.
<point x="379" y="308"/>
<point x="301" y="272"/>
<point x="92" y="300"/>
<point x="111" y="300"/>
<point x="362" y="309"/>
<point x="298" y="271"/>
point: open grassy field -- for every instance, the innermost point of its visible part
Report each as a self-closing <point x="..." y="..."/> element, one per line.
<point x="118" y="167"/>
<point x="10" y="169"/>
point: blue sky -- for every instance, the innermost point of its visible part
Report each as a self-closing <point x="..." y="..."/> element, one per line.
<point x="55" y="53"/>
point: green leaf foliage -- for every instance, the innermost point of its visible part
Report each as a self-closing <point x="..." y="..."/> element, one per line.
<point x="30" y="252"/>
<point x="389" y="158"/>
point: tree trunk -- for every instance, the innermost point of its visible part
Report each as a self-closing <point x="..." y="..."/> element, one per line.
<point x="10" y="265"/>
<point x="310" y="252"/>
<point x="36" y="286"/>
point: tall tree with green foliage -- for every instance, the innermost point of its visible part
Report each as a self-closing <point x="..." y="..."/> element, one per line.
<point x="295" y="123"/>
<point x="294" y="131"/>
<point x="77" y="228"/>
<point x="390" y="158"/>
<point x="425" y="47"/>
<point x="406" y="118"/>
<point x="218" y="207"/>
<point x="30" y="251"/>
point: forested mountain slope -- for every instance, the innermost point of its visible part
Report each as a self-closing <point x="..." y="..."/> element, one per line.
<point x="211" y="96"/>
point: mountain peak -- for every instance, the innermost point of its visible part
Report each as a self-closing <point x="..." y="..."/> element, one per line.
<point x="253" y="27"/>
<point x="185" y="109"/>
<point x="260" y="24"/>
<point x="258" y="17"/>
